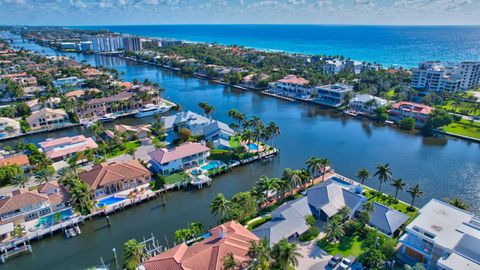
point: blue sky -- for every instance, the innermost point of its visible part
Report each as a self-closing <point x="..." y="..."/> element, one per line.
<point x="106" y="12"/>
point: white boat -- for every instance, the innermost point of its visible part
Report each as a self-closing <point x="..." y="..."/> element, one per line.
<point x="201" y="179"/>
<point x="152" y="109"/>
<point x="107" y="118"/>
<point x="73" y="231"/>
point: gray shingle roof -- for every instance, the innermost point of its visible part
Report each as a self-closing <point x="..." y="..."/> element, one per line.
<point x="386" y="219"/>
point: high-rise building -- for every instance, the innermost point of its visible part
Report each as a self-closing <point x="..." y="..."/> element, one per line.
<point x="107" y="44"/>
<point x="132" y="43"/>
<point x="434" y="76"/>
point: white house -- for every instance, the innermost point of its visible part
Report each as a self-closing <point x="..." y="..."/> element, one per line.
<point x="333" y="94"/>
<point x="8" y="126"/>
<point x="443" y="237"/>
<point x="366" y="103"/>
<point x="189" y="154"/>
<point x="68" y="83"/>
<point x="193" y="121"/>
<point x="292" y="84"/>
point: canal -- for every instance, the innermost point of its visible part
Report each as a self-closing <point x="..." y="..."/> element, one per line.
<point x="444" y="168"/>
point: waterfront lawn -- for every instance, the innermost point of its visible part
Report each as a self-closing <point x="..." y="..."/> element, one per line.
<point x="348" y="245"/>
<point x="388" y="201"/>
<point x="175" y="178"/>
<point x="257" y="222"/>
<point x="117" y="151"/>
<point x="464" y="128"/>
<point x="462" y="108"/>
<point x="235" y="142"/>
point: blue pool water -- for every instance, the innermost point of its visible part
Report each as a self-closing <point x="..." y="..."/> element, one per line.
<point x="252" y="147"/>
<point x="212" y="165"/>
<point x="54" y="218"/>
<point x="109" y="200"/>
<point x="341" y="182"/>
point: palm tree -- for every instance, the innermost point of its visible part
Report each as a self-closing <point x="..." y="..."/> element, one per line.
<point x="229" y="262"/>
<point x="324" y="163"/>
<point x="220" y="206"/>
<point x="73" y="162"/>
<point x="43" y="176"/>
<point x="313" y="164"/>
<point x="398" y="184"/>
<point x="333" y="229"/>
<point x="415" y="192"/>
<point x="207" y="109"/>
<point x="273" y="130"/>
<point x="81" y="197"/>
<point x="293" y="177"/>
<point x="457" y="202"/>
<point x="268" y="185"/>
<point x="344" y="213"/>
<point x="20" y="180"/>
<point x="247" y="135"/>
<point x="283" y="187"/>
<point x="363" y="175"/>
<point x="134" y="254"/>
<point x="285" y="254"/>
<point x="384" y="174"/>
<point x="260" y="252"/>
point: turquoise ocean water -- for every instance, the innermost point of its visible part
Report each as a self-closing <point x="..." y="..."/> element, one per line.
<point x="389" y="45"/>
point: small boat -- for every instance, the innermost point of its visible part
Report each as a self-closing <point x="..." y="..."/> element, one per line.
<point x="72" y="231"/>
<point x="107" y="118"/>
<point x="151" y="109"/>
<point x="201" y="179"/>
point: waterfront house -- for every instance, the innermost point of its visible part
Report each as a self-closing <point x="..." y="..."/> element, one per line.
<point x="333" y="94"/>
<point x="288" y="222"/>
<point x="388" y="221"/>
<point x="443" y="237"/>
<point x="31" y="91"/>
<point x="67" y="84"/>
<point x="47" y="118"/>
<point x="217" y="130"/>
<point x="20" y="160"/>
<point x="63" y="148"/>
<point x="36" y="105"/>
<point x="105" y="179"/>
<point x="190" y="120"/>
<point x="57" y="195"/>
<point x="292" y="84"/>
<point x="138" y="131"/>
<point x="404" y="109"/>
<point x="24" y="205"/>
<point x="229" y="238"/>
<point x="189" y="154"/>
<point x="333" y="67"/>
<point x="322" y="201"/>
<point x="8" y="126"/>
<point x="122" y="102"/>
<point x="366" y="103"/>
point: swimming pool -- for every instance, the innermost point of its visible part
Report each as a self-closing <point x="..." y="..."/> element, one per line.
<point x="51" y="219"/>
<point x="108" y="201"/>
<point x="252" y="147"/>
<point x="212" y="165"/>
<point x="341" y="182"/>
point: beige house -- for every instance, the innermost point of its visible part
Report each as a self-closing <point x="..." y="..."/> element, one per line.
<point x="46" y="118"/>
<point x="107" y="179"/>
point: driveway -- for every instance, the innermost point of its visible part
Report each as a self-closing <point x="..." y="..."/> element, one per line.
<point x="314" y="258"/>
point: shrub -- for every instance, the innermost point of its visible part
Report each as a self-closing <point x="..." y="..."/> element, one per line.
<point x="310" y="234"/>
<point x="407" y="123"/>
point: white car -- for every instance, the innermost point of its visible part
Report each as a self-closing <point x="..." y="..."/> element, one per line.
<point x="345" y="264"/>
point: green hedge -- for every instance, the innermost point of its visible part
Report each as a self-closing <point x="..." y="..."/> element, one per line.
<point x="309" y="234"/>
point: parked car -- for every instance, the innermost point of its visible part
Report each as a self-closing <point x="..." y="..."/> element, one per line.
<point x="346" y="263"/>
<point x="335" y="260"/>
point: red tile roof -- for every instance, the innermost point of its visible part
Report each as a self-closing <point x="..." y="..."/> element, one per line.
<point x="294" y="80"/>
<point x="104" y="174"/>
<point x="67" y="145"/>
<point x="230" y="237"/>
<point x="21" y="198"/>
<point x="184" y="150"/>
<point x="20" y="160"/>
<point x="415" y="107"/>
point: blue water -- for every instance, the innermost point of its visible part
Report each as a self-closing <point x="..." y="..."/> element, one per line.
<point x="389" y="45"/>
<point x="212" y="165"/>
<point x="252" y="147"/>
<point x="341" y="182"/>
<point x="108" y="201"/>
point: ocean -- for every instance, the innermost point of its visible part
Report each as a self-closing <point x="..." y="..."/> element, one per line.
<point x="389" y="45"/>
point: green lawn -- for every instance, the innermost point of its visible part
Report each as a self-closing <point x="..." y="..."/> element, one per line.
<point x="348" y="245"/>
<point x="128" y="145"/>
<point x="400" y="206"/>
<point x="258" y="222"/>
<point x="464" y="128"/>
<point x="174" y="178"/>
<point x="462" y="108"/>
<point x="235" y="142"/>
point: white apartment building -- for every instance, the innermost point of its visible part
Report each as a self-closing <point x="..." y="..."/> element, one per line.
<point x="107" y="44"/>
<point x="434" y="76"/>
<point x="443" y="237"/>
